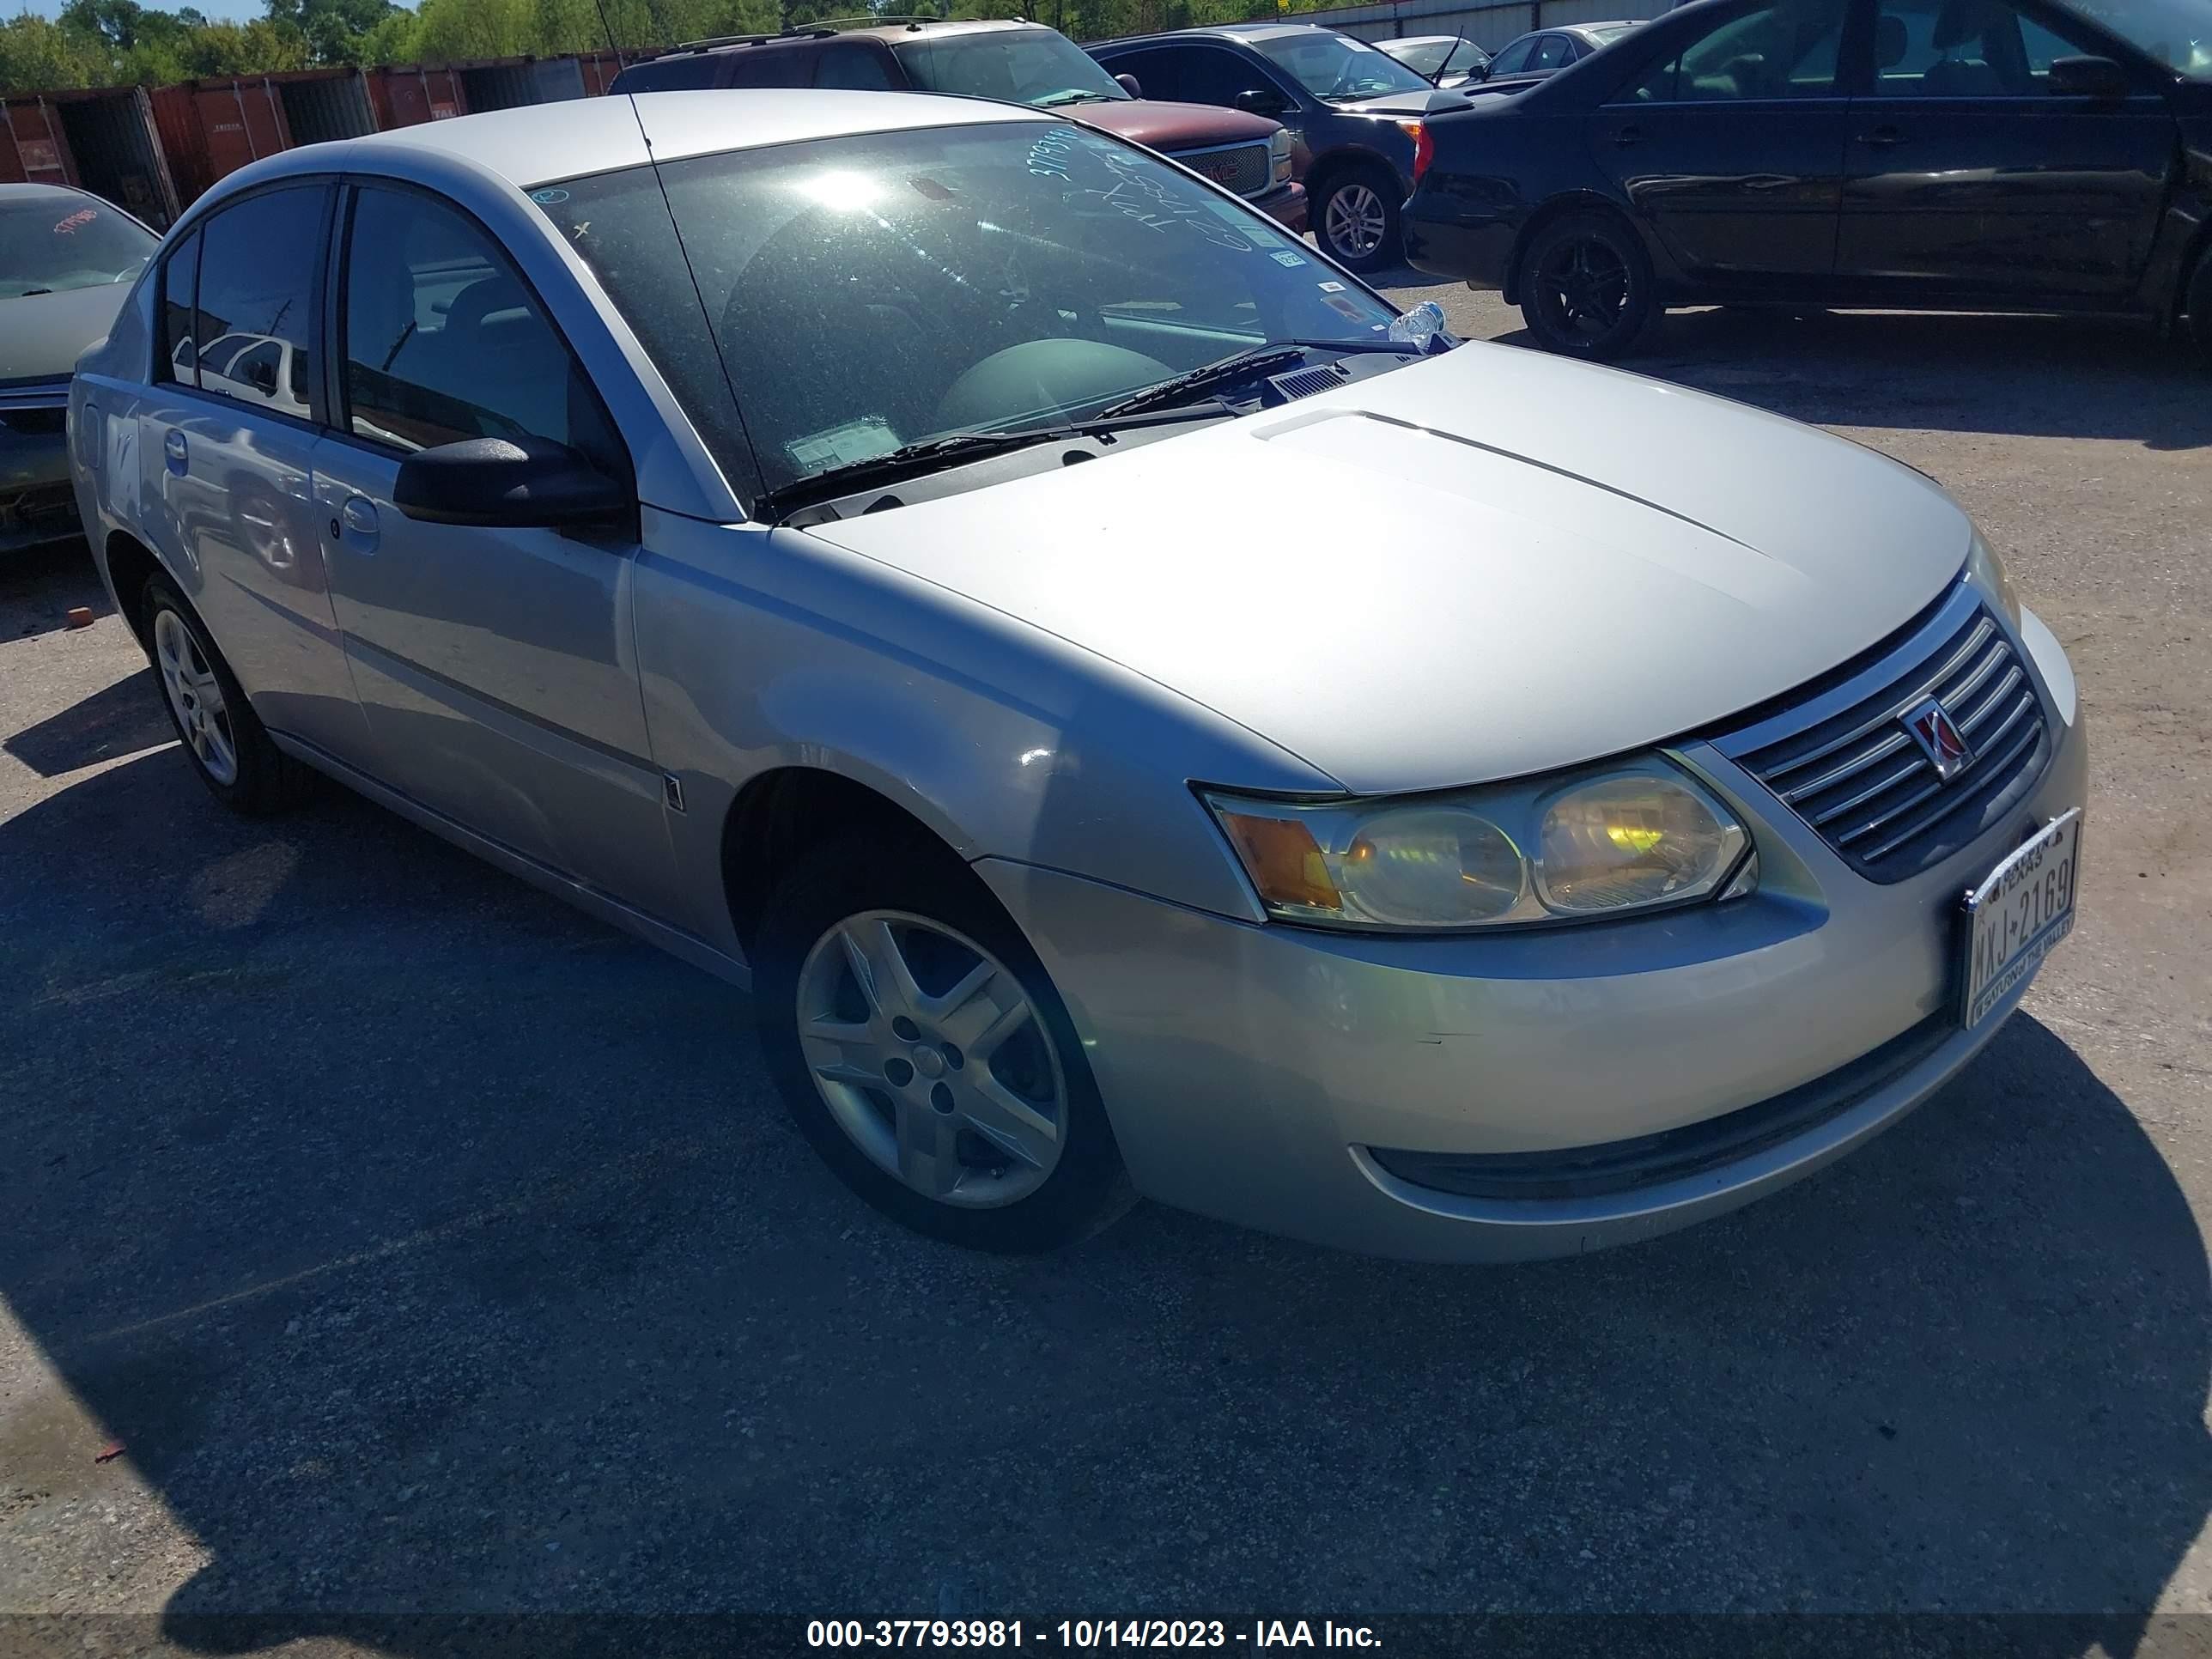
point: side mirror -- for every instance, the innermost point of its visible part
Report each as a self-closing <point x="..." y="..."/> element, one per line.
<point x="1254" y="102"/>
<point x="506" y="482"/>
<point x="1478" y="72"/>
<point x="261" y="375"/>
<point x="2088" y="77"/>
<point x="1128" y="84"/>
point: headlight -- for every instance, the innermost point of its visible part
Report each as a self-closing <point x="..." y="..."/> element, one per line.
<point x="1984" y="570"/>
<point x="1279" y="151"/>
<point x="1605" y="841"/>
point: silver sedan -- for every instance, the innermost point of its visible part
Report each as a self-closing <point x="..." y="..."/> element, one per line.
<point x="1140" y="716"/>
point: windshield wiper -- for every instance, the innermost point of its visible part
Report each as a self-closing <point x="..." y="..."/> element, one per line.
<point x="1244" y="366"/>
<point x="1074" y="95"/>
<point x="935" y="454"/>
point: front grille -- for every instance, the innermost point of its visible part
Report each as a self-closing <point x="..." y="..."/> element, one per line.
<point x="1244" y="168"/>
<point x="1844" y="762"/>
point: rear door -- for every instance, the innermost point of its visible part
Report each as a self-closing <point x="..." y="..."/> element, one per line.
<point x="496" y="666"/>
<point x="1733" y="147"/>
<point x="1968" y="175"/>
<point x="227" y="443"/>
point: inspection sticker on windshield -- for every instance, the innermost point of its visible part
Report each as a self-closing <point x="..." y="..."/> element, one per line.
<point x="1331" y="287"/>
<point x="2018" y="914"/>
<point x="1286" y="259"/>
<point x="841" y="446"/>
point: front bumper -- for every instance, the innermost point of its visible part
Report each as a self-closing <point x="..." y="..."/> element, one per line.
<point x="1291" y="1079"/>
<point x="1285" y="204"/>
<point x="37" y="504"/>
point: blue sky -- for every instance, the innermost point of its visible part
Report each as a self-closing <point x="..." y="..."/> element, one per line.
<point x="236" y="10"/>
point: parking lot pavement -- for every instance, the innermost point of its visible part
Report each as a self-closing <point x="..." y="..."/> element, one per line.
<point x="423" y="1245"/>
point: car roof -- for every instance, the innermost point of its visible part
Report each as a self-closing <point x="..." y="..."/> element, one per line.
<point x="1419" y="40"/>
<point x="806" y="35"/>
<point x="36" y="192"/>
<point x="540" y="142"/>
<point x="1244" y="33"/>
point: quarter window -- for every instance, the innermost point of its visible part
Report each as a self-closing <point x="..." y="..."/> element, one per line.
<point x="1782" y="51"/>
<point x="443" y="342"/>
<point x="180" y="281"/>
<point x="256" y="300"/>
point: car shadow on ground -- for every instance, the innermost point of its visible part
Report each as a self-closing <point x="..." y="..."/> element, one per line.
<point x="40" y="586"/>
<point x="121" y="719"/>
<point x="430" y="1247"/>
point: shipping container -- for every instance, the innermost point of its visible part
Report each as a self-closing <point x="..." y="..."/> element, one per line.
<point x="600" y="68"/>
<point x="407" y="96"/>
<point x="513" y="82"/>
<point x="215" y="126"/>
<point x="33" y="149"/>
<point x="101" y="139"/>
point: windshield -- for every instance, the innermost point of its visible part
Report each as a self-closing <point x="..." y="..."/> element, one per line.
<point x="1422" y="56"/>
<point x="1335" y="66"/>
<point x="869" y="292"/>
<point x="52" y="242"/>
<point x="1019" y="66"/>
<point x="2177" y="32"/>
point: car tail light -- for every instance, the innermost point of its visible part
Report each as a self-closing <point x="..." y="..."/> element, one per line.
<point x="1425" y="149"/>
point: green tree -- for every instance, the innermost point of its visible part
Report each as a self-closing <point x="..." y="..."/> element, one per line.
<point x="36" y="52"/>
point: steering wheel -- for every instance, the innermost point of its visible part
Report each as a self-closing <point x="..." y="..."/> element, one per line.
<point x="1044" y="374"/>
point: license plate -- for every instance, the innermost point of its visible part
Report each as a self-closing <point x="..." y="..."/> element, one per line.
<point x="2023" y="909"/>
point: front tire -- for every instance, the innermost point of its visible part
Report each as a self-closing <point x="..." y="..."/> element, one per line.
<point x="1357" y="220"/>
<point x="924" y="1054"/>
<point x="223" y="739"/>
<point x="1586" y="287"/>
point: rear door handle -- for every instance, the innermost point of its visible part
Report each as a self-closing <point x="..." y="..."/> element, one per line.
<point x="178" y="453"/>
<point x="1882" y="138"/>
<point x="1623" y="137"/>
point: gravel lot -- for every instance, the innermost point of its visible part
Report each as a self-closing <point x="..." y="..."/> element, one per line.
<point x="426" y="1246"/>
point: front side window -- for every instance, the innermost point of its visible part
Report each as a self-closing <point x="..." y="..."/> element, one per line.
<point x="65" y="240"/>
<point x="853" y="69"/>
<point x="2175" y="32"/>
<point x="1215" y="74"/>
<point x="869" y="292"/>
<point x="1336" y="67"/>
<point x="1963" y="49"/>
<point x="443" y="342"/>
<point x="1786" y="50"/>
<point x="1039" y="67"/>
<point x="258" y="302"/>
<point x="1514" y="59"/>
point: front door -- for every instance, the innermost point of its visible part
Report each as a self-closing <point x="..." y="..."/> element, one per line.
<point x="1733" y="149"/>
<point x="1968" y="174"/>
<point x="495" y="665"/>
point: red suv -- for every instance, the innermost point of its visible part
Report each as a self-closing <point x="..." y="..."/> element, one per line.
<point x="1014" y="62"/>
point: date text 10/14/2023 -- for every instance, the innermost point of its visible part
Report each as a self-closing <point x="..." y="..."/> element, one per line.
<point x="1087" y="1635"/>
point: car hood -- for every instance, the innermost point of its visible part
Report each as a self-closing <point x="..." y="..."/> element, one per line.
<point x="1431" y="101"/>
<point x="1481" y="565"/>
<point x="43" y="335"/>
<point x="1168" y="127"/>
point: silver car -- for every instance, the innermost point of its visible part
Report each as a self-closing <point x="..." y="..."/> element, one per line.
<point x="1138" y="716"/>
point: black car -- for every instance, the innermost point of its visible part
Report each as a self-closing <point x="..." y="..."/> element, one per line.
<point x="1523" y="61"/>
<point x="1948" y="155"/>
<point x="1358" y="111"/>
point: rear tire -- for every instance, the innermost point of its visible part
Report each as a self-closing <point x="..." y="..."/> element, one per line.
<point x="971" y="1115"/>
<point x="1356" y="220"/>
<point x="1586" y="287"/>
<point x="223" y="737"/>
<point x="2197" y="307"/>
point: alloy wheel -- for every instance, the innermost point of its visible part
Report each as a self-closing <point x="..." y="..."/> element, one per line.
<point x="1354" y="222"/>
<point x="931" y="1058"/>
<point x="195" y="696"/>
<point x="1584" y="284"/>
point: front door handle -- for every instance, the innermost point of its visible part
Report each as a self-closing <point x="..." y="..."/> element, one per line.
<point x="175" y="450"/>
<point x="1623" y="137"/>
<point x="355" y="525"/>
<point x="1882" y="138"/>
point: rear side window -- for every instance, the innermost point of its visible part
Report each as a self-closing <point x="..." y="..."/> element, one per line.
<point x="767" y="66"/>
<point x="855" y="69"/>
<point x="443" y="341"/>
<point x="258" y="299"/>
<point x="180" y="287"/>
<point x="1159" y="72"/>
<point x="1556" y="52"/>
<point x="674" y="74"/>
